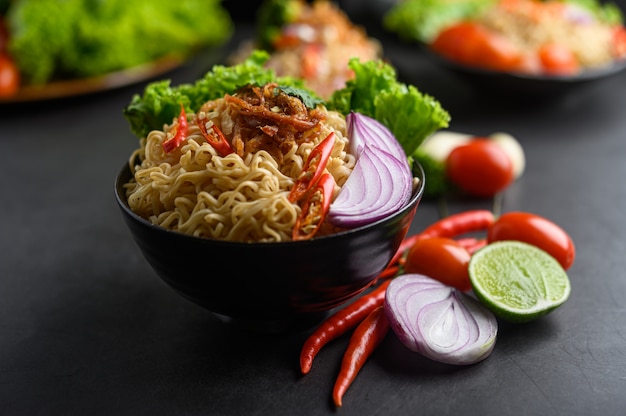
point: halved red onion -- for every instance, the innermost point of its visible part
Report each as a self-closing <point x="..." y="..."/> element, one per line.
<point x="381" y="182"/>
<point x="439" y="321"/>
<point x="379" y="185"/>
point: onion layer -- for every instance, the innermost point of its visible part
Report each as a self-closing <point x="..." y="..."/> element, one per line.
<point x="381" y="181"/>
<point x="363" y="130"/>
<point x="439" y="321"/>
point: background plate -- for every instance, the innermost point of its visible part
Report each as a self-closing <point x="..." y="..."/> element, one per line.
<point x="112" y="80"/>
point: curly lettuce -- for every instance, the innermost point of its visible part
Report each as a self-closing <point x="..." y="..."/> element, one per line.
<point x="375" y="91"/>
<point x="160" y="102"/>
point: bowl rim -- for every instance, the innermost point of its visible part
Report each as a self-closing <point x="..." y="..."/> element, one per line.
<point x="416" y="196"/>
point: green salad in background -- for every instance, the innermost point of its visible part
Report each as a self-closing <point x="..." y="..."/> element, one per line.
<point x="54" y="40"/>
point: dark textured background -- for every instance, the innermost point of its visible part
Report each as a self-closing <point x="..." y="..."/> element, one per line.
<point x="86" y="327"/>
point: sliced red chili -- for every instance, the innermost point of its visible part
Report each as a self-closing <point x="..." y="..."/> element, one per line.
<point x="314" y="209"/>
<point x="215" y="137"/>
<point x="181" y="132"/>
<point x="313" y="168"/>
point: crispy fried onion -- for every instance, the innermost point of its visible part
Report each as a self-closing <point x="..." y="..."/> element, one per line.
<point x="263" y="118"/>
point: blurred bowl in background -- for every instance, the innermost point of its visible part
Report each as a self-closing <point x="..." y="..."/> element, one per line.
<point x="523" y="86"/>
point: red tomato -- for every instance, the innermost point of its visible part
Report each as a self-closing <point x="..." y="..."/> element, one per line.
<point x="558" y="60"/>
<point x="619" y="39"/>
<point x="9" y="77"/>
<point x="442" y="259"/>
<point x="536" y="230"/>
<point x="480" y="167"/>
<point x="472" y="44"/>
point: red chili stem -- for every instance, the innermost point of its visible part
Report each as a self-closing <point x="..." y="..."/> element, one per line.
<point x="339" y="323"/>
<point x="364" y="341"/>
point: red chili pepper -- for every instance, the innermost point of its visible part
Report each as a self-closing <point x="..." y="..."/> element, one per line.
<point x="339" y="323"/>
<point x="181" y="132"/>
<point x="459" y="224"/>
<point x="215" y="138"/>
<point x="314" y="209"/>
<point x="472" y="244"/>
<point x="313" y="168"/>
<point x="364" y="341"/>
<point x="450" y="227"/>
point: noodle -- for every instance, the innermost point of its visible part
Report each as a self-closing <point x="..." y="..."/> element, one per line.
<point x="242" y="196"/>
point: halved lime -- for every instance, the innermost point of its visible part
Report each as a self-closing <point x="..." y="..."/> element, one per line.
<point x="517" y="281"/>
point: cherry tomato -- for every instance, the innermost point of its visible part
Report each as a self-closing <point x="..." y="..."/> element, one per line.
<point x="558" y="59"/>
<point x="471" y="44"/>
<point x="442" y="259"/>
<point x="536" y="230"/>
<point x="480" y="167"/>
<point x="9" y="77"/>
<point x="619" y="39"/>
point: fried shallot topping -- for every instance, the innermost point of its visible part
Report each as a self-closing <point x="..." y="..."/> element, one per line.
<point x="263" y="118"/>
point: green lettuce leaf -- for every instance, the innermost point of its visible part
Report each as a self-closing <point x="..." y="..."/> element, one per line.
<point x="160" y="102"/>
<point x="375" y="91"/>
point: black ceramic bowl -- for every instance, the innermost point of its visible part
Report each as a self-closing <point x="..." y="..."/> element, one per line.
<point x="270" y="285"/>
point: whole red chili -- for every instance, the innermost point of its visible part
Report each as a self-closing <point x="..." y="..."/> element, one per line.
<point x="314" y="209"/>
<point x="313" y="168"/>
<point x="451" y="226"/>
<point x="461" y="223"/>
<point x="339" y="323"/>
<point x="364" y="341"/>
<point x="181" y="132"/>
